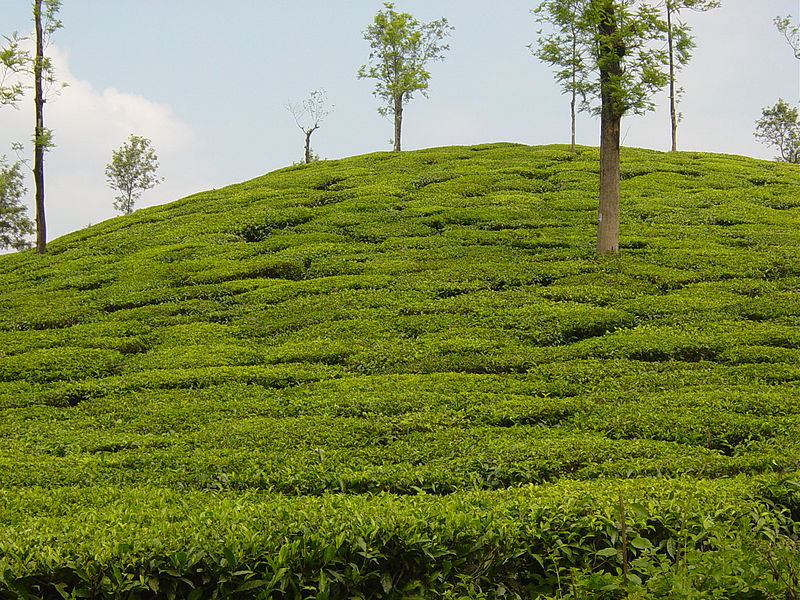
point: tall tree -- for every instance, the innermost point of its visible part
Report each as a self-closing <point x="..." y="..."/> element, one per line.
<point x="46" y="22"/>
<point x="131" y="171"/>
<point x="401" y="49"/>
<point x="679" y="46"/>
<point x="566" y="49"/>
<point x="14" y="223"/>
<point x="791" y="32"/>
<point x="630" y="66"/>
<point x="308" y="115"/>
<point x="626" y="64"/>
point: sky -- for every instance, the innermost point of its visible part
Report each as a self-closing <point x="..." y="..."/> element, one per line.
<point x="208" y="83"/>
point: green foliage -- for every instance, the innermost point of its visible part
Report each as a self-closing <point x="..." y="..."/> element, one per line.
<point x="15" y="225"/>
<point x="779" y="126"/>
<point x="401" y="48"/>
<point x="131" y="171"/>
<point x="565" y="48"/>
<point x="581" y="47"/>
<point x="404" y="375"/>
<point x="13" y="60"/>
<point x="791" y="32"/>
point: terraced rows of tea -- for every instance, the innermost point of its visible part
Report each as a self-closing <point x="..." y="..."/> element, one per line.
<point x="408" y="375"/>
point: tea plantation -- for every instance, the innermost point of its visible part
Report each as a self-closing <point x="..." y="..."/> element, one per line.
<point x="408" y="376"/>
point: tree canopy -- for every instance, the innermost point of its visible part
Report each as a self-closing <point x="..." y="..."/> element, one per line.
<point x="131" y="171"/>
<point x="779" y="126"/>
<point x="15" y="225"/>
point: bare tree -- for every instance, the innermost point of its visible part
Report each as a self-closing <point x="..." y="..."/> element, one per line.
<point x="309" y="115"/>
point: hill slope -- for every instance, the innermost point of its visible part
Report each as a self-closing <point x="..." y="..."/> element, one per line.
<point x="404" y="374"/>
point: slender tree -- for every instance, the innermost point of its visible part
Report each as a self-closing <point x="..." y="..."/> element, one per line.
<point x="308" y="115"/>
<point x="15" y="225"/>
<point x="679" y="46"/>
<point x="46" y="22"/>
<point x="791" y="32"/>
<point x="401" y="49"/>
<point x="565" y="47"/>
<point x="131" y="171"/>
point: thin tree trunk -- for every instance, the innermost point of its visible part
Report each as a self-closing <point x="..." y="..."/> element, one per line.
<point x="308" y="145"/>
<point x="672" y="98"/>
<point x="574" y="91"/>
<point x="38" y="144"/>
<point x="572" y="113"/>
<point x="398" y="121"/>
<point x="610" y="120"/>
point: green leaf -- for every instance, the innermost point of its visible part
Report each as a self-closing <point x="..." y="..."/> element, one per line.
<point x="251" y="585"/>
<point x="641" y="543"/>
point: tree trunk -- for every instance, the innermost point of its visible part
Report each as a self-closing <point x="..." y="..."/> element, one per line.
<point x="398" y="121"/>
<point x="608" y="213"/>
<point x="673" y="101"/>
<point x="574" y="91"/>
<point x="572" y="113"/>
<point x="308" y="145"/>
<point x="39" y="132"/>
<point x="611" y="52"/>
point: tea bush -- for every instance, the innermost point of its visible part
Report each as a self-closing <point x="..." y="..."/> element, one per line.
<point x="408" y="375"/>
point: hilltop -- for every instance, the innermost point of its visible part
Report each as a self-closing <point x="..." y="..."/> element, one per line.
<point x="407" y="374"/>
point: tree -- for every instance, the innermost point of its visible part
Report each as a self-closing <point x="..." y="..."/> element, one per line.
<point x="309" y="116"/>
<point x="46" y="22"/>
<point x="791" y="32"/>
<point x="14" y="223"/>
<point x="13" y="60"/>
<point x="680" y="45"/>
<point x="401" y="48"/>
<point x="131" y="171"/>
<point x="779" y="126"/>
<point x="623" y="41"/>
<point x="630" y="70"/>
<point x="566" y="49"/>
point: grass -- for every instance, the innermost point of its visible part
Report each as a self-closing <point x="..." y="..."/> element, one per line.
<point x="408" y="375"/>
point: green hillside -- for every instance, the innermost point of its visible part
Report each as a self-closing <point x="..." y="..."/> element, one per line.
<point x="408" y="376"/>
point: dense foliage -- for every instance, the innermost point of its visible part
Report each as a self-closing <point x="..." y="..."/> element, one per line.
<point x="408" y="375"/>
<point x="15" y="225"/>
<point x="132" y="170"/>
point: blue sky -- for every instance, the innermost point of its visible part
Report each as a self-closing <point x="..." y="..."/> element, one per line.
<point x="208" y="83"/>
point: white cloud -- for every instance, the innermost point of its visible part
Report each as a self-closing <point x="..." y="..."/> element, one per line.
<point x="88" y="125"/>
